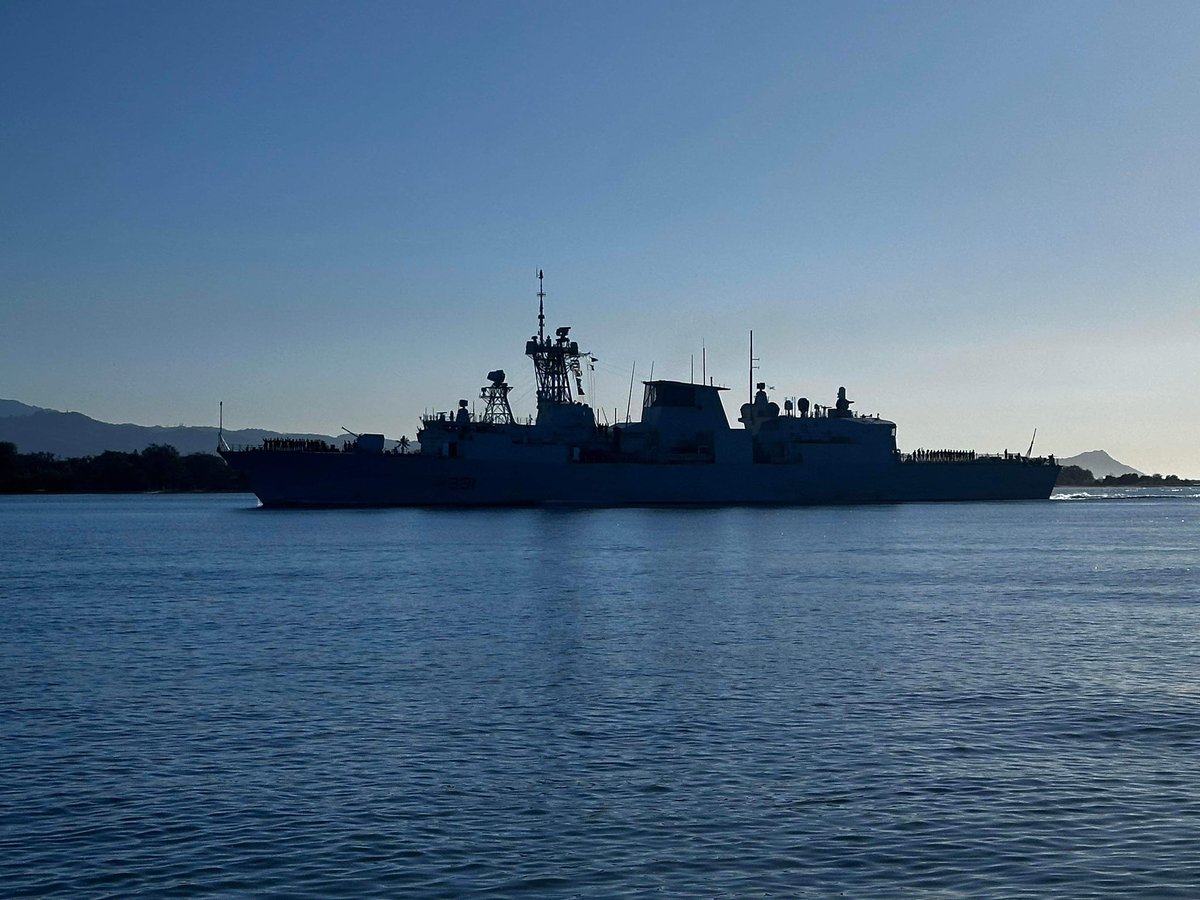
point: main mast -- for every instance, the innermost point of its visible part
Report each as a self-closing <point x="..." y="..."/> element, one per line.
<point x="556" y="361"/>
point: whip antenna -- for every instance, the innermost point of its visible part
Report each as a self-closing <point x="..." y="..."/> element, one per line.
<point x="541" y="309"/>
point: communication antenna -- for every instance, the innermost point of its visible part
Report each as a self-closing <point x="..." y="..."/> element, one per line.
<point x="1029" y="452"/>
<point x="541" y="309"/>
<point x="753" y="360"/>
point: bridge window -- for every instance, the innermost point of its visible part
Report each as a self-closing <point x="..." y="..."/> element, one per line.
<point x="669" y="393"/>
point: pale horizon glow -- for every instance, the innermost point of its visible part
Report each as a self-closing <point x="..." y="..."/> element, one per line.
<point x="980" y="218"/>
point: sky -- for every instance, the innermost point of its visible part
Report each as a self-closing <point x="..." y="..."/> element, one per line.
<point x="981" y="218"/>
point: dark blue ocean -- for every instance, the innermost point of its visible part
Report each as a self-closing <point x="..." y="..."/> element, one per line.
<point x="201" y="698"/>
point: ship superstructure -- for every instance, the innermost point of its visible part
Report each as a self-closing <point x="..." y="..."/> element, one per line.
<point x="681" y="451"/>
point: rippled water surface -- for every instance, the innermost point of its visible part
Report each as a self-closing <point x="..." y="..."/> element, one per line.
<point x="199" y="697"/>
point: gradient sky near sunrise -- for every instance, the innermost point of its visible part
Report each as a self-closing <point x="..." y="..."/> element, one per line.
<point x="981" y="218"/>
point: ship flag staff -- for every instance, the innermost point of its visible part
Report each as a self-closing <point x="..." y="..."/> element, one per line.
<point x="221" y="445"/>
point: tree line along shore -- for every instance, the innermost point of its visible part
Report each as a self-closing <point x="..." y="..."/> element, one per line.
<point x="160" y="467"/>
<point x="1075" y="476"/>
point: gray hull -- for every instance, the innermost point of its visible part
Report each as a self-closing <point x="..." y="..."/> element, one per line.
<point x="320" y="479"/>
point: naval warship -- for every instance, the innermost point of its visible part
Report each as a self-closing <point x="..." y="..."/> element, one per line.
<point x="682" y="451"/>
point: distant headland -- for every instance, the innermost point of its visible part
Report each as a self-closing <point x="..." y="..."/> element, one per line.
<point x="72" y="434"/>
<point x="1097" y="469"/>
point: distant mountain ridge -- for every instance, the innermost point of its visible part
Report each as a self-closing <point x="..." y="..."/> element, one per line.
<point x="16" y="408"/>
<point x="72" y="434"/>
<point x="1099" y="464"/>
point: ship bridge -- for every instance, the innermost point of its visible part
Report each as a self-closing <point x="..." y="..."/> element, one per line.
<point x="683" y="422"/>
<point x="680" y="402"/>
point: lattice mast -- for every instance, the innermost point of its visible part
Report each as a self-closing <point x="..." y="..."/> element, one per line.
<point x="556" y="361"/>
<point x="495" y="395"/>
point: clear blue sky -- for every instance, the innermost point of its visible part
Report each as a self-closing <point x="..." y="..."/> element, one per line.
<point x="979" y="217"/>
